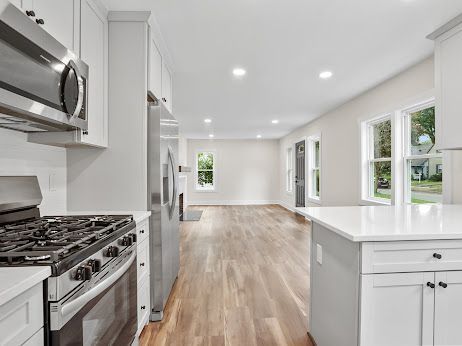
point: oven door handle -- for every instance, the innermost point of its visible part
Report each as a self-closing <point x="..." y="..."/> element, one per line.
<point x="70" y="309"/>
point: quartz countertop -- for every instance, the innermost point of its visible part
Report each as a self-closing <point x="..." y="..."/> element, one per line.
<point x="390" y="223"/>
<point x="138" y="215"/>
<point x="16" y="280"/>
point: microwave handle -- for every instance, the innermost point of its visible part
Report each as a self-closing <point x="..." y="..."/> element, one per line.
<point x="70" y="309"/>
<point x="81" y="91"/>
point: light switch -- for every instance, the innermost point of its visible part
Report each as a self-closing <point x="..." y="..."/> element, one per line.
<point x="319" y="253"/>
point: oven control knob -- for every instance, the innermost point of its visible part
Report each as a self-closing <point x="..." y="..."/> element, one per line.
<point x="112" y="251"/>
<point x="95" y="265"/>
<point x="83" y="273"/>
<point x="127" y="241"/>
<point x="133" y="236"/>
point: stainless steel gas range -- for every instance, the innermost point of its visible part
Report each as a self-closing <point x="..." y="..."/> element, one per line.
<point x="91" y="296"/>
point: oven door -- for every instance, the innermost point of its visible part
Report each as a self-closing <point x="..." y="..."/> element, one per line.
<point x="104" y="315"/>
<point x="40" y="79"/>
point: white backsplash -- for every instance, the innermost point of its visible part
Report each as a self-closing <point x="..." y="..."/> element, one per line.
<point x="18" y="157"/>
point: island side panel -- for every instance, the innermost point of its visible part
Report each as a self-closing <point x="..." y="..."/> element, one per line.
<point x="334" y="308"/>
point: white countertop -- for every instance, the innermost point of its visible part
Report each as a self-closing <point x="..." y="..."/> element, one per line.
<point x="390" y="223"/>
<point x="138" y="215"/>
<point x="16" y="280"/>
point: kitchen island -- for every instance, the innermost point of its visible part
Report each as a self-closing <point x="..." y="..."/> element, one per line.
<point x="386" y="275"/>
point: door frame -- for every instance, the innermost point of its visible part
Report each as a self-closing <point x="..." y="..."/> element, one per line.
<point x="294" y="157"/>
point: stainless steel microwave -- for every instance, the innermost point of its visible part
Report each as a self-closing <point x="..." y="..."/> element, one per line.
<point x="43" y="85"/>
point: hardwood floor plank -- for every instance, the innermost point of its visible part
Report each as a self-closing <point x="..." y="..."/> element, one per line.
<point x="244" y="280"/>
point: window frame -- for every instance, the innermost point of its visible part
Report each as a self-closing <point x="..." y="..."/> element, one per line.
<point x="289" y="176"/>
<point x="407" y="157"/>
<point x="197" y="187"/>
<point x="368" y="160"/>
<point x="312" y="168"/>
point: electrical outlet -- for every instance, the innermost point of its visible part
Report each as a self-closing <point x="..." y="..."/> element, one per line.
<point x="319" y="253"/>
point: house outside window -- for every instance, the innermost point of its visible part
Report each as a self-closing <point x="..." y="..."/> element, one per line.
<point x="423" y="178"/>
<point x="378" y="152"/>
<point x="314" y="168"/>
<point x="205" y="171"/>
<point x="289" y="170"/>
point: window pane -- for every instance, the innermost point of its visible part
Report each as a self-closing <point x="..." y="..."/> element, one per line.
<point x="316" y="182"/>
<point x="382" y="139"/>
<point x="205" y="179"/>
<point x="423" y="131"/>
<point x="381" y="173"/>
<point x="426" y="180"/>
<point x="204" y="161"/>
<point x="316" y="154"/>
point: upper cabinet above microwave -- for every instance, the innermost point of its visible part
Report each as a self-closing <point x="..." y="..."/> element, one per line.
<point x="448" y="74"/>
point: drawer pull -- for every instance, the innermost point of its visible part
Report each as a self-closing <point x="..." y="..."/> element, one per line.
<point x="437" y="255"/>
<point x="431" y="285"/>
<point x="443" y="284"/>
<point x="142" y="231"/>
<point x="142" y="264"/>
<point x="143" y="307"/>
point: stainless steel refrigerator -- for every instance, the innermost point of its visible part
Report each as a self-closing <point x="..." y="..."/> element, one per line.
<point x="163" y="203"/>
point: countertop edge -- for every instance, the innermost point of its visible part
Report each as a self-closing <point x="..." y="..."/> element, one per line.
<point x="22" y="286"/>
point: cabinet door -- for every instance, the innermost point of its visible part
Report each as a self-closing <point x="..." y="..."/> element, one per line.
<point x="93" y="50"/>
<point x="58" y="16"/>
<point x="448" y="67"/>
<point x="17" y="3"/>
<point x="397" y="309"/>
<point x="167" y="87"/>
<point x="155" y="70"/>
<point x="448" y="307"/>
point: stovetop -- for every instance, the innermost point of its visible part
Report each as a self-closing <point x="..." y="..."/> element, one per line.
<point x="59" y="241"/>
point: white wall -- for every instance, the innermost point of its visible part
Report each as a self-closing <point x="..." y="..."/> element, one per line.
<point x="18" y="157"/>
<point x="246" y="171"/>
<point x="340" y="184"/>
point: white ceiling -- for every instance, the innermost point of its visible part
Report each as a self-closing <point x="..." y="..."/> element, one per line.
<point x="283" y="45"/>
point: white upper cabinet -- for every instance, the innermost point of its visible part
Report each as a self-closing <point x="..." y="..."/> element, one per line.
<point x="448" y="74"/>
<point x="155" y="70"/>
<point x="167" y="87"/>
<point x="94" y="51"/>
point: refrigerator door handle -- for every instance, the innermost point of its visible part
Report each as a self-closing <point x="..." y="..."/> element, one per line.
<point x="171" y="159"/>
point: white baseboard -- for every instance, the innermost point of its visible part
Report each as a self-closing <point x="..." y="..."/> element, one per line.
<point x="233" y="202"/>
<point x="287" y="206"/>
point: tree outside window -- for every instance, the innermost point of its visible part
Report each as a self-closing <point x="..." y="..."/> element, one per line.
<point x="205" y="166"/>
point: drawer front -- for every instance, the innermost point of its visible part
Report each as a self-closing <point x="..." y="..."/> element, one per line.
<point x="143" y="303"/>
<point x="36" y="340"/>
<point x="142" y="230"/>
<point x="142" y="258"/>
<point x="22" y="316"/>
<point x="410" y="256"/>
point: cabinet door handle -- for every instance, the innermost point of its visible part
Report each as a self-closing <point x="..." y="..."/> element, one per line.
<point x="437" y="255"/>
<point x="164" y="99"/>
<point x="143" y="307"/>
<point x="443" y="284"/>
<point x="40" y="21"/>
<point x="142" y="231"/>
<point x="431" y="285"/>
<point x="30" y="13"/>
<point x="142" y="264"/>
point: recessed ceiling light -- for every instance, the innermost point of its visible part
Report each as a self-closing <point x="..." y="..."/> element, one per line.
<point x="275" y="121"/>
<point x="239" y="72"/>
<point x="211" y="135"/>
<point x="325" y="74"/>
<point x="207" y="121"/>
<point x="258" y="136"/>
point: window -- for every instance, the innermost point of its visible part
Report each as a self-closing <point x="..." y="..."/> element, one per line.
<point x="423" y="177"/>
<point x="379" y="160"/>
<point x="205" y="168"/>
<point x="314" y="168"/>
<point x="289" y="170"/>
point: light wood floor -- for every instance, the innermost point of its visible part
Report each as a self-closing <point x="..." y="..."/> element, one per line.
<point x="244" y="280"/>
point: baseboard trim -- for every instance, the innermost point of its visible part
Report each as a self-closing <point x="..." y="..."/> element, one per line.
<point x="233" y="202"/>
<point x="287" y="206"/>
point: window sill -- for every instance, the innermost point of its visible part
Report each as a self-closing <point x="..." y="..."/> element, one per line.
<point x="314" y="200"/>
<point x="205" y="190"/>
<point x="374" y="202"/>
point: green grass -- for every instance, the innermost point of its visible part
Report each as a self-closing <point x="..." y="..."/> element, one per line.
<point x="381" y="195"/>
<point x="420" y="201"/>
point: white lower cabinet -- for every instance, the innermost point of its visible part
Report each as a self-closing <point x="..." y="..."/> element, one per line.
<point x="143" y="274"/>
<point x="409" y="309"/>
<point x="22" y="317"/>
<point x="36" y="339"/>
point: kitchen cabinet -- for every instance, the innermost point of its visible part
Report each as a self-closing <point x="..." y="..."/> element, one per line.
<point x="448" y="73"/>
<point x="143" y="276"/>
<point x="92" y="47"/>
<point x="155" y="70"/>
<point x="167" y="87"/>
